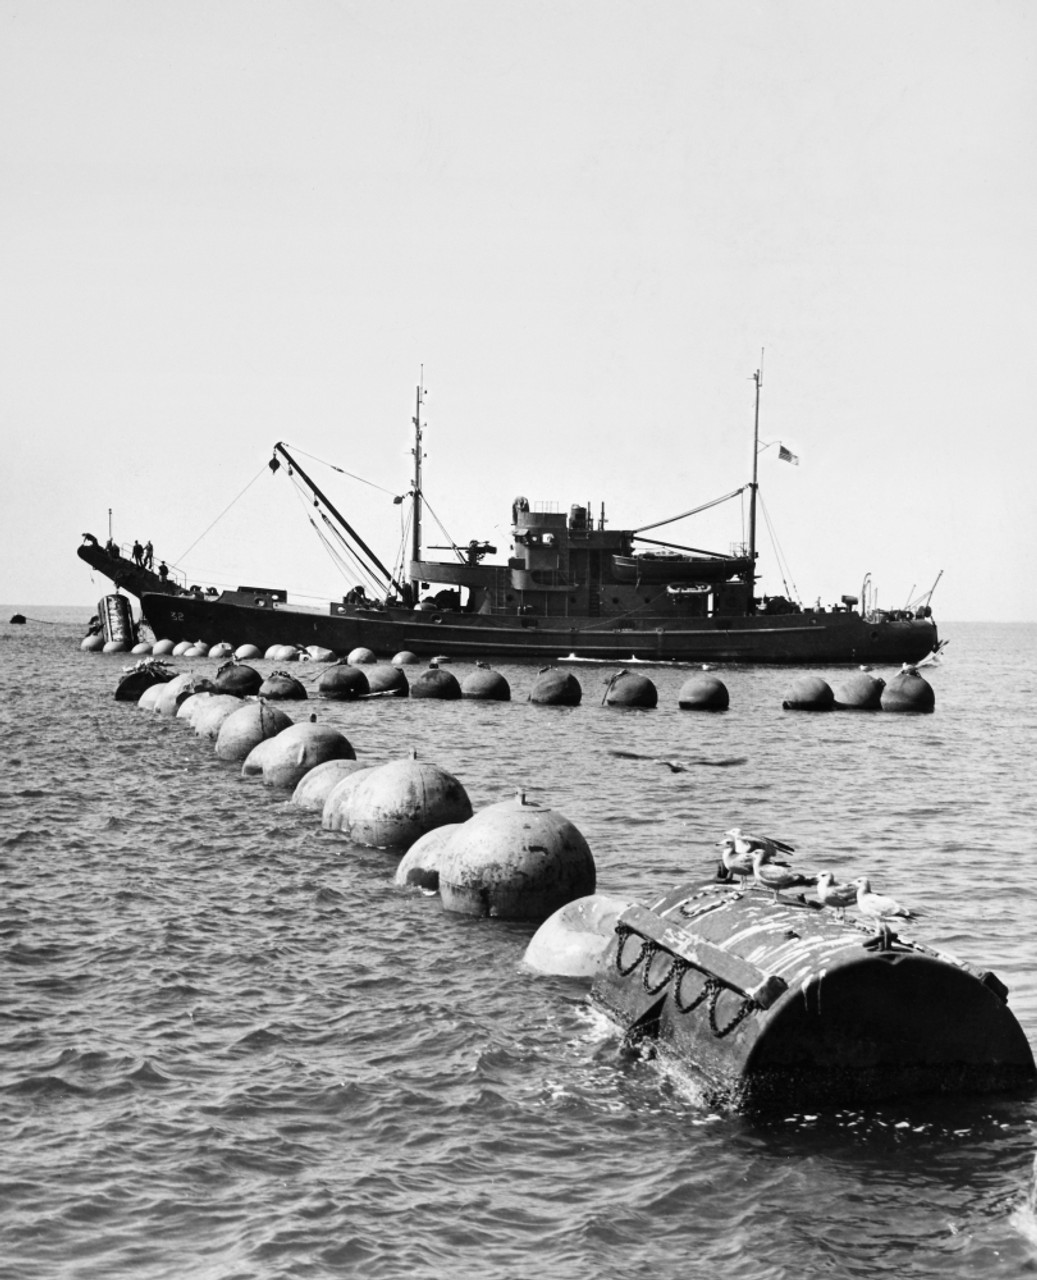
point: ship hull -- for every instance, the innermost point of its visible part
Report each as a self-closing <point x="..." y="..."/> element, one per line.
<point x="788" y="640"/>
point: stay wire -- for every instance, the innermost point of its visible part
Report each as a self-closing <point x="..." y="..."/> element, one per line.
<point x="230" y="504"/>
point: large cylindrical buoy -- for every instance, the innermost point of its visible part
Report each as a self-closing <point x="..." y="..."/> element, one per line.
<point x="435" y="683"/>
<point x="808" y="693"/>
<point x="630" y="689"/>
<point x="555" y="688"/>
<point x="515" y="861"/>
<point x="703" y="693"/>
<point x="117" y="625"/>
<point x="395" y="803"/>
<point x="908" y="691"/>
<point x="243" y="731"/>
<point x="779" y="1006"/>
<point x="858" y="692"/>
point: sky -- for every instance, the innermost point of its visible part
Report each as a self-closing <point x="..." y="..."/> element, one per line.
<point x="582" y="225"/>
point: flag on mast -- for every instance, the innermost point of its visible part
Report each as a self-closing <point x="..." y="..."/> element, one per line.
<point x="786" y="455"/>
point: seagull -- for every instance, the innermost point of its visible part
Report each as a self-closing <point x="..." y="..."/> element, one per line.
<point x="879" y="906"/>
<point x="749" y="844"/>
<point x="740" y="863"/>
<point x="776" y="875"/>
<point x="839" y="896"/>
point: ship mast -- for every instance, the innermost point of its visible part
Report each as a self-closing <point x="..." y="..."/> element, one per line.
<point x="753" y="487"/>
<point x="416" y="498"/>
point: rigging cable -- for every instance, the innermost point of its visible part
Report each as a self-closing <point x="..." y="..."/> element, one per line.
<point x="791" y="590"/>
<point x="222" y="514"/>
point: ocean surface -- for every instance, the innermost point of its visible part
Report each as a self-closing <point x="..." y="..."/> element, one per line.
<point x="231" y="1048"/>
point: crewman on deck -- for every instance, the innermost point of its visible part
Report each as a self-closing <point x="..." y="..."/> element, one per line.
<point x="149" y="555"/>
<point x="138" y="553"/>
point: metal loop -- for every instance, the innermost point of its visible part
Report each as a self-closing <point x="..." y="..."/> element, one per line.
<point x="653" y="988"/>
<point x="624" y="934"/>
<point x="678" y="977"/>
<point x="747" y="1006"/>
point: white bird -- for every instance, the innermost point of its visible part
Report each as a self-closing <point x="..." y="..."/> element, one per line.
<point x="879" y="906"/>
<point x="777" y="875"/>
<point x="749" y="844"/>
<point x="735" y="863"/>
<point x="837" y="896"/>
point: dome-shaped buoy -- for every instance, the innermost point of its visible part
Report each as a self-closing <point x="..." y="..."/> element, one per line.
<point x="141" y="648"/>
<point x="298" y="748"/>
<point x="92" y="644"/>
<point x="162" y="648"/>
<point x="405" y="659"/>
<point x="808" y="693"/>
<point x="395" y="803"/>
<point x="434" y="682"/>
<point x="487" y="685"/>
<point x="555" y="688"/>
<point x="313" y="788"/>
<point x="859" y="692"/>
<point x="336" y="803"/>
<point x="147" y="700"/>
<point x="703" y="693"/>
<point x="271" y="652"/>
<point x="419" y="866"/>
<point x="246" y="728"/>
<point x="191" y="705"/>
<point x="385" y="679"/>
<point x="247" y="652"/>
<point x="317" y="653"/>
<point x="515" y="861"/>
<point x="213" y="713"/>
<point x="571" y="942"/>
<point x="238" y="678"/>
<point x="222" y="650"/>
<point x="343" y="683"/>
<point x="279" y="685"/>
<point x="360" y="655"/>
<point x="908" y="691"/>
<point x="629" y="689"/>
<point x="171" y="694"/>
<point x="197" y="650"/>
<point x="142" y="676"/>
<point x="286" y="653"/>
<point x="114" y="646"/>
<point x="180" y="648"/>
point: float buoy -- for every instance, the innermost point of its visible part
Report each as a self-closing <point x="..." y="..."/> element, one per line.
<point x="395" y="803"/>
<point x="167" y="701"/>
<point x="808" y="693"/>
<point x="313" y="788"/>
<point x="238" y="678"/>
<point x="212" y="714"/>
<point x="280" y="685"/>
<point x="571" y="942"/>
<point x="405" y="659"/>
<point x="250" y="725"/>
<point x="222" y="650"/>
<point x="141" y="648"/>
<point x="317" y="653"/>
<point x="515" y="861"/>
<point x="162" y="649"/>
<point x="435" y="683"/>
<point x="336" y="802"/>
<point x="343" y="683"/>
<point x="384" y="678"/>
<point x="908" y="691"/>
<point x="180" y="648"/>
<point x="114" y="646"/>
<point x="295" y="750"/>
<point x="859" y="692"/>
<point x="145" y="675"/>
<point x="247" y="652"/>
<point x="703" y="693"/>
<point x="419" y="866"/>
<point x="92" y="644"/>
<point x="628" y="689"/>
<point x="360" y="655"/>
<point x="555" y="688"/>
<point x="487" y="685"/>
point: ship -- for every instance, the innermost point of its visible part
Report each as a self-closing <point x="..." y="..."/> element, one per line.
<point x="571" y="589"/>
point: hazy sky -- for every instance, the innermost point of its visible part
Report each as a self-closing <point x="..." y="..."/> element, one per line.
<point x="225" y="224"/>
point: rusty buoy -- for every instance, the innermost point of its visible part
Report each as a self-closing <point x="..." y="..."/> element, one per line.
<point x="313" y="788"/>
<point x="859" y="692"/>
<point x="486" y="684"/>
<point x="703" y="693"/>
<point x="419" y="866"/>
<point x="385" y="679"/>
<point x="343" y="683"/>
<point x="435" y="683"/>
<point x="239" y="678"/>
<point x="553" y="687"/>
<point x="246" y="728"/>
<point x="630" y="689"/>
<point x="295" y="751"/>
<point x="395" y="803"/>
<point x="280" y="686"/>
<point x="808" y="693"/>
<point x="908" y="691"/>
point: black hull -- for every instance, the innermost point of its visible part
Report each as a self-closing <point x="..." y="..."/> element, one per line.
<point x="784" y="640"/>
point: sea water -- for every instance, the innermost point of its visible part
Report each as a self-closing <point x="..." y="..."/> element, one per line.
<point x="232" y="1048"/>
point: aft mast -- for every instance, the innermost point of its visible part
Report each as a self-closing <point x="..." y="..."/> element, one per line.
<point x="753" y="487"/>
<point x="416" y="498"/>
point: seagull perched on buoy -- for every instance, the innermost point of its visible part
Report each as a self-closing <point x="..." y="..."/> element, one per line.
<point x="776" y="875"/>
<point x="837" y="896"/>
<point x="880" y="907"/>
<point x="736" y="862"/>
<point x="749" y="844"/>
